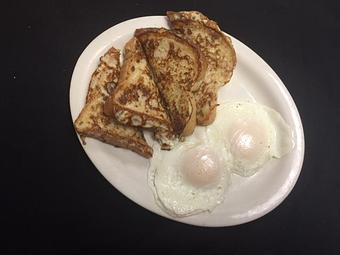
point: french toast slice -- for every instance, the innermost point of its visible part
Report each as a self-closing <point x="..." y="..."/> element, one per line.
<point x="92" y="122"/>
<point x="217" y="49"/>
<point x="177" y="67"/>
<point x="136" y="100"/>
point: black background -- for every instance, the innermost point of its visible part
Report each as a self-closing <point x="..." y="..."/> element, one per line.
<point x="53" y="200"/>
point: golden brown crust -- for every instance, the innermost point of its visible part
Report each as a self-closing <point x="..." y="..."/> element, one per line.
<point x="218" y="51"/>
<point x="92" y="122"/>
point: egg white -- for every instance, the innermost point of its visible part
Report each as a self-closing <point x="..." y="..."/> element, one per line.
<point x="267" y="134"/>
<point x="172" y="192"/>
<point x="244" y="136"/>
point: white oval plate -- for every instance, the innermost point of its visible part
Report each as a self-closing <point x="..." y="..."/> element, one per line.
<point x="253" y="80"/>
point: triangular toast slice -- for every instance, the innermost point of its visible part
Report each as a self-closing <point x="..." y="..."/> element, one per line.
<point x="136" y="100"/>
<point x="92" y="122"/>
<point x="177" y="66"/>
<point x="217" y="50"/>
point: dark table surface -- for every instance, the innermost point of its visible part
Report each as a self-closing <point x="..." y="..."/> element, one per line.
<point x="53" y="200"/>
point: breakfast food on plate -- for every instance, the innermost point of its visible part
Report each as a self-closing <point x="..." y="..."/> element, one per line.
<point x="178" y="68"/>
<point x="252" y="134"/>
<point x="169" y="79"/>
<point x="194" y="175"/>
<point x="168" y="83"/>
<point x="185" y="64"/>
<point x="92" y="122"/>
<point x="136" y="99"/>
<point x="191" y="178"/>
<point x="218" y="52"/>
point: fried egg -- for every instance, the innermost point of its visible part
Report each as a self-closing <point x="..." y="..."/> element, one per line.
<point x="193" y="177"/>
<point x="252" y="135"/>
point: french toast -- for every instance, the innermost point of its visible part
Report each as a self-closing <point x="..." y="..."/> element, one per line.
<point x="178" y="69"/>
<point x="218" y="51"/>
<point x="136" y="100"/>
<point x="92" y="122"/>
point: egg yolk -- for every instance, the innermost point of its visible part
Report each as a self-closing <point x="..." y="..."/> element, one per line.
<point x="200" y="167"/>
<point x="248" y="141"/>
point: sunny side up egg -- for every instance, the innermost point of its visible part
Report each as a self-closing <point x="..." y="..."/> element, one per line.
<point x="194" y="176"/>
<point x="252" y="135"/>
<point x="191" y="178"/>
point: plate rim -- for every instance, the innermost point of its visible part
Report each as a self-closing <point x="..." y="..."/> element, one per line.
<point x="300" y="140"/>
